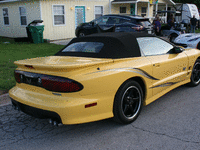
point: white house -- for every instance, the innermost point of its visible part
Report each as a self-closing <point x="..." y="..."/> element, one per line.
<point x="62" y="16"/>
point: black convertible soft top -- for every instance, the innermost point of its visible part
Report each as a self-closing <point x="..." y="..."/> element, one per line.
<point x="116" y="45"/>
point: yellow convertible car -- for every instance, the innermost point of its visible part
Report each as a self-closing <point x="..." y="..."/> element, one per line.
<point x="107" y="75"/>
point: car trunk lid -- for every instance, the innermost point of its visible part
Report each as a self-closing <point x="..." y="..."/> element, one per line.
<point x="60" y="63"/>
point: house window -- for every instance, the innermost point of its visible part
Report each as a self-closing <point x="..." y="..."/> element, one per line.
<point x="22" y="12"/>
<point x="59" y="14"/>
<point x="5" y="16"/>
<point x="144" y="11"/>
<point x="98" y="11"/>
<point x="122" y="10"/>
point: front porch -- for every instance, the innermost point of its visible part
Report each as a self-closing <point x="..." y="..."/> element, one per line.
<point x="144" y="8"/>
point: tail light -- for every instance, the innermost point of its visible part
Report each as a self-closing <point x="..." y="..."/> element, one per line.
<point x="51" y="83"/>
<point x="17" y="77"/>
<point x="29" y="66"/>
<point x="58" y="84"/>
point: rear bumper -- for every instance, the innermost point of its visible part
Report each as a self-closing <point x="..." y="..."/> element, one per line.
<point x="35" y="112"/>
<point x="64" y="109"/>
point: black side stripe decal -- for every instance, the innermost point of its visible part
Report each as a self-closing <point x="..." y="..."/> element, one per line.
<point x="135" y="70"/>
<point x="146" y="74"/>
<point x="165" y="84"/>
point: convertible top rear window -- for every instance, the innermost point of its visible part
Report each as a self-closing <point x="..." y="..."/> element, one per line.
<point x="86" y="47"/>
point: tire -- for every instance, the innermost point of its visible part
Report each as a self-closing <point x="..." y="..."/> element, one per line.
<point x="195" y="76"/>
<point x="81" y="34"/>
<point x="128" y="102"/>
<point x="198" y="46"/>
<point x="172" y="37"/>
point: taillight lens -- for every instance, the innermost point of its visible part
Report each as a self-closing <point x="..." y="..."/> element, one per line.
<point x="29" y="66"/>
<point x="51" y="83"/>
<point x="138" y="28"/>
<point x="58" y="84"/>
<point x="17" y="77"/>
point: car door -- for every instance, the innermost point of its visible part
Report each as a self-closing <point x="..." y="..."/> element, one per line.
<point x="169" y="68"/>
<point x="124" y="25"/>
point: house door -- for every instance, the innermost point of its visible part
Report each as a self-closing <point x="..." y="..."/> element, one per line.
<point x="79" y="15"/>
<point x="132" y="9"/>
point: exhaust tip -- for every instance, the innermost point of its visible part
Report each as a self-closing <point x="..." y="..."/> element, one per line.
<point x="55" y="123"/>
<point x="51" y="121"/>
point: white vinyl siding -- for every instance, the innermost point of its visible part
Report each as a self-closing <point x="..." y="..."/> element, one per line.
<point x="5" y="16"/>
<point x="98" y="11"/>
<point x="67" y="30"/>
<point x="23" y="19"/>
<point x="58" y="14"/>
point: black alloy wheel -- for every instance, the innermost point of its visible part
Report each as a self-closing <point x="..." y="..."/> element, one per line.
<point x="195" y="76"/>
<point x="128" y="102"/>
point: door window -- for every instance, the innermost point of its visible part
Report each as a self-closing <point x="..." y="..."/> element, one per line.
<point x="102" y="20"/>
<point x="119" y="20"/>
<point x="111" y="20"/>
<point x="153" y="46"/>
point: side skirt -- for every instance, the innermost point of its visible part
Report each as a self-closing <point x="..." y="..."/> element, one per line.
<point x="150" y="100"/>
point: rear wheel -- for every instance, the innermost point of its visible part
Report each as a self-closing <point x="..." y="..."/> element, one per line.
<point x="173" y="37"/>
<point x="128" y="102"/>
<point x="195" y="76"/>
<point x="198" y="46"/>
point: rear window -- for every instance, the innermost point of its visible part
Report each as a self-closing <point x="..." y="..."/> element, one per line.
<point x="144" y="23"/>
<point x="86" y="47"/>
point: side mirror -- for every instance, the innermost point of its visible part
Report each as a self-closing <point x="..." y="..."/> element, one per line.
<point x="177" y="49"/>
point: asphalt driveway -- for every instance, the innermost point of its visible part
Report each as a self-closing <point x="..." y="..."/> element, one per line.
<point x="169" y="123"/>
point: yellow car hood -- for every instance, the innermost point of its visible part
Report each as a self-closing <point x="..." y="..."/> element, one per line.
<point x="61" y="62"/>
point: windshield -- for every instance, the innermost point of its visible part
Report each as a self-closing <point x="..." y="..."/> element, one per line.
<point x="86" y="47"/>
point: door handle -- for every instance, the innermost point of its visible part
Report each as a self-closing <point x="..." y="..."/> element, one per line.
<point x="156" y="64"/>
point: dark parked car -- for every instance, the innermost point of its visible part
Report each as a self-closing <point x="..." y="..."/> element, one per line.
<point x="121" y="23"/>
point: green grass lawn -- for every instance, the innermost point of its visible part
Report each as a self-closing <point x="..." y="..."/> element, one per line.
<point x="197" y="31"/>
<point x="10" y="52"/>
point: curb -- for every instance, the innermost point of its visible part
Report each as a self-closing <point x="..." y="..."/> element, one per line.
<point x="5" y="100"/>
<point x="4" y="95"/>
